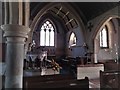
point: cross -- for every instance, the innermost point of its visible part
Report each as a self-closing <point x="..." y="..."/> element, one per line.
<point x="90" y="26"/>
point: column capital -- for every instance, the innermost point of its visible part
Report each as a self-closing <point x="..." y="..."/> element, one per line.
<point x="11" y="30"/>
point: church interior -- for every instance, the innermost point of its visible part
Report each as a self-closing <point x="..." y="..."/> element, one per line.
<point x="60" y="45"/>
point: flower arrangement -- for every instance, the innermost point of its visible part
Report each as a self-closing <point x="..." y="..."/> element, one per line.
<point x="55" y="65"/>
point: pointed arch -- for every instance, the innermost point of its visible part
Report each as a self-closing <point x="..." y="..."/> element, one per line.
<point x="104" y="23"/>
<point x="44" y="10"/>
<point x="72" y="39"/>
<point x="47" y="34"/>
<point x="104" y="37"/>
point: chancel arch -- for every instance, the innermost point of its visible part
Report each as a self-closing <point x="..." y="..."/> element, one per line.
<point x="65" y="21"/>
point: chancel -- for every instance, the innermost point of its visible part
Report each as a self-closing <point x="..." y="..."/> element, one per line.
<point x="60" y="45"/>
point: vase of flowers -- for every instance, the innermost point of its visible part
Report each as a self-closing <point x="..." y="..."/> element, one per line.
<point x="55" y="65"/>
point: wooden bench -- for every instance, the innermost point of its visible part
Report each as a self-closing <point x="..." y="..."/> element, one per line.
<point x="110" y="79"/>
<point x="111" y="66"/>
<point x="3" y="82"/>
<point x="27" y="80"/>
<point x="70" y="83"/>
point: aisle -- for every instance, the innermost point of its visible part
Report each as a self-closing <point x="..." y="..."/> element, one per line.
<point x="94" y="84"/>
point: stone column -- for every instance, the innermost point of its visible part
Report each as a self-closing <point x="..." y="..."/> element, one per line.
<point x="15" y="35"/>
<point x="15" y="32"/>
<point x="96" y="50"/>
<point x="119" y="34"/>
<point x="26" y="23"/>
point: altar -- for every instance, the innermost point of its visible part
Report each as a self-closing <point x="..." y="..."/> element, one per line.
<point x="92" y="71"/>
<point x="37" y="64"/>
<point x="35" y="60"/>
<point x="44" y="71"/>
<point x="40" y="55"/>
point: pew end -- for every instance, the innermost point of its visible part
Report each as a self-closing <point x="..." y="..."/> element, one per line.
<point x="110" y="79"/>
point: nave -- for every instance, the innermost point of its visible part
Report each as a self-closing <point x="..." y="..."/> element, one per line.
<point x="100" y="75"/>
<point x="60" y="44"/>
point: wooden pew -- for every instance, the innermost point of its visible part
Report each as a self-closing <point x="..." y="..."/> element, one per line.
<point x="33" y="79"/>
<point x="71" y="63"/>
<point x="3" y="82"/>
<point x="28" y="80"/>
<point x="110" y="79"/>
<point x="70" y="83"/>
<point x="111" y="66"/>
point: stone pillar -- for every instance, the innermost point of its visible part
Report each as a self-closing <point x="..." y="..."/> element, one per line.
<point x="26" y="23"/>
<point x="1" y="45"/>
<point x="119" y="33"/>
<point x="15" y="35"/>
<point x="96" y="50"/>
<point x="15" y="32"/>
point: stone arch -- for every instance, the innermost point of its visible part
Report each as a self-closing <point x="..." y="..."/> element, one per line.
<point x="43" y="12"/>
<point x="102" y="22"/>
<point x="48" y="17"/>
<point x="70" y="37"/>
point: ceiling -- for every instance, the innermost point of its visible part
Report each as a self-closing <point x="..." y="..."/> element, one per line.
<point x="86" y="10"/>
<point x="93" y="9"/>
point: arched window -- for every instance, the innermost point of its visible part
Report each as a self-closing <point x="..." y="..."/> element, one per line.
<point x="72" y="40"/>
<point x="47" y="34"/>
<point x="104" y="38"/>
